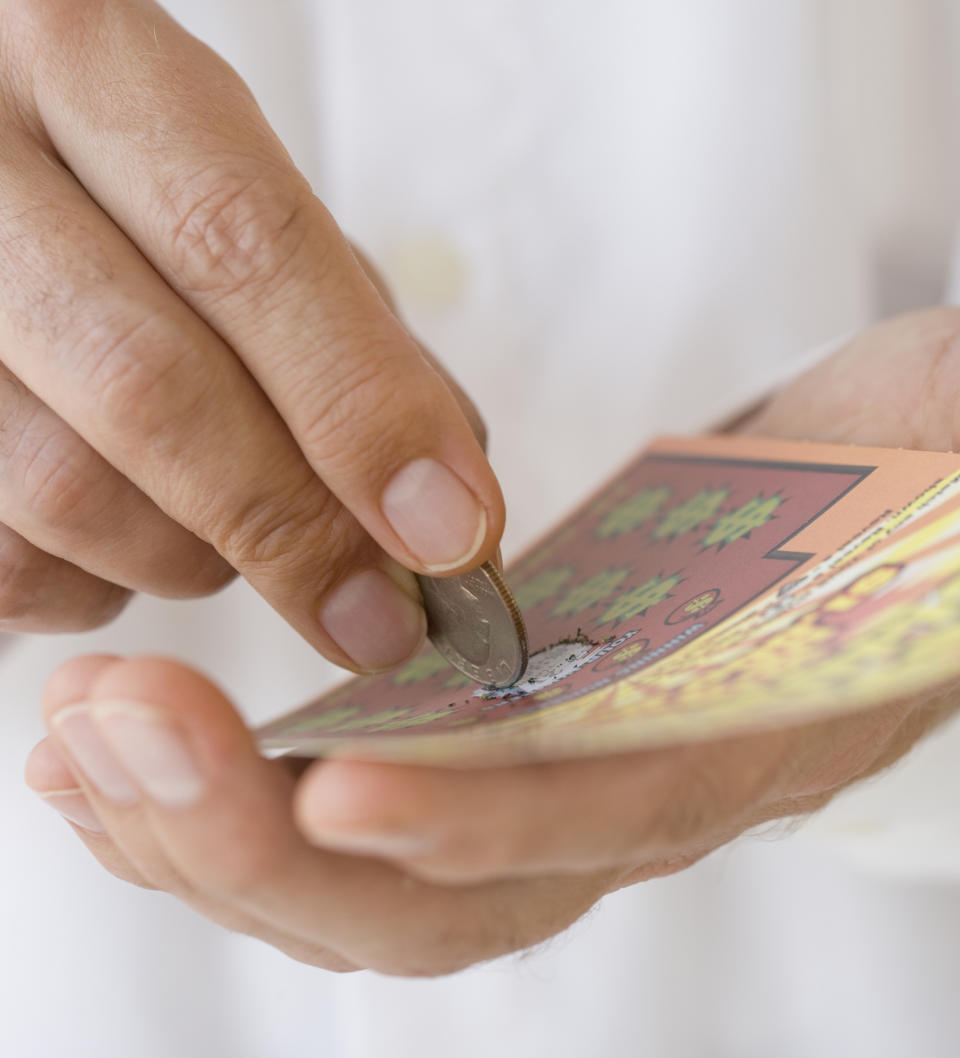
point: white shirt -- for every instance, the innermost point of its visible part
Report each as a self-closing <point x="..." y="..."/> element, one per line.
<point x="610" y="220"/>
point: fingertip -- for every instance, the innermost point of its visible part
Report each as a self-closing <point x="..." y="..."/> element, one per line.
<point x="46" y="769"/>
<point x="48" y="775"/>
<point x="191" y="698"/>
<point x="158" y="680"/>
<point x="71" y="681"/>
<point x="376" y="618"/>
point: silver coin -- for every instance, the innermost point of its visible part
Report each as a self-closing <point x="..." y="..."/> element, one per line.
<point x="475" y="623"/>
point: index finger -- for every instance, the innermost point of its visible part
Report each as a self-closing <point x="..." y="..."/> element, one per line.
<point x="201" y="184"/>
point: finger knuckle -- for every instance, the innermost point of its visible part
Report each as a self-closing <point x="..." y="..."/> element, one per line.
<point x="60" y="478"/>
<point x="362" y="405"/>
<point x="232" y="226"/>
<point x="267" y="534"/>
<point x="132" y="370"/>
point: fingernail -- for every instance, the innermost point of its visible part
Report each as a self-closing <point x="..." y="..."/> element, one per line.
<point x="73" y="805"/>
<point x="75" y="729"/>
<point x="390" y="845"/>
<point x="434" y="514"/>
<point x="153" y="750"/>
<point x="373" y="621"/>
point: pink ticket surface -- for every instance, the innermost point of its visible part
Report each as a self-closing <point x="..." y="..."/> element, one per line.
<point x="718" y="585"/>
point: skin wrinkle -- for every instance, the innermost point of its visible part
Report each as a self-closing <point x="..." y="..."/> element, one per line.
<point x="52" y="468"/>
<point x="42" y="282"/>
<point x="65" y="486"/>
<point x="74" y="41"/>
<point x="240" y="233"/>
<point x="148" y="105"/>
<point x="353" y="405"/>
<point x="18" y="105"/>
<point x="137" y="373"/>
<point x="13" y="395"/>
<point x="138" y="394"/>
<point x="262" y="532"/>
<point x="346" y="395"/>
<point x="252" y="228"/>
<point x="467" y="407"/>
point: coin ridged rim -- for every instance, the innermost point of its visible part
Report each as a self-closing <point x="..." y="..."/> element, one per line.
<point x="515" y="617"/>
<point x="513" y="609"/>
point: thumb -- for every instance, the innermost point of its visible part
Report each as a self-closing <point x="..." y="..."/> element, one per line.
<point x="896" y="385"/>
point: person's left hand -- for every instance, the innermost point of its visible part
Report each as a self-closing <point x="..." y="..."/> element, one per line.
<point x="163" y="783"/>
<point x="416" y="870"/>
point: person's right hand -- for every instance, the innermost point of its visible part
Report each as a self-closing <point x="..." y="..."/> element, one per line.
<point x="198" y="377"/>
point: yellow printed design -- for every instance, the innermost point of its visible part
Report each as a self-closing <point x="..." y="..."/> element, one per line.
<point x="541" y="587"/>
<point x="582" y="596"/>
<point x="691" y="514"/>
<point x="742" y="522"/>
<point x="892" y="623"/>
<point x="420" y="668"/>
<point x="636" y="601"/>
<point x="689" y="627"/>
<point x="633" y="513"/>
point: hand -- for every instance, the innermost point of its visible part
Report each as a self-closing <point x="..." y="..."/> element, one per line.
<point x="445" y="867"/>
<point x="198" y="377"/>
<point x="173" y="795"/>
